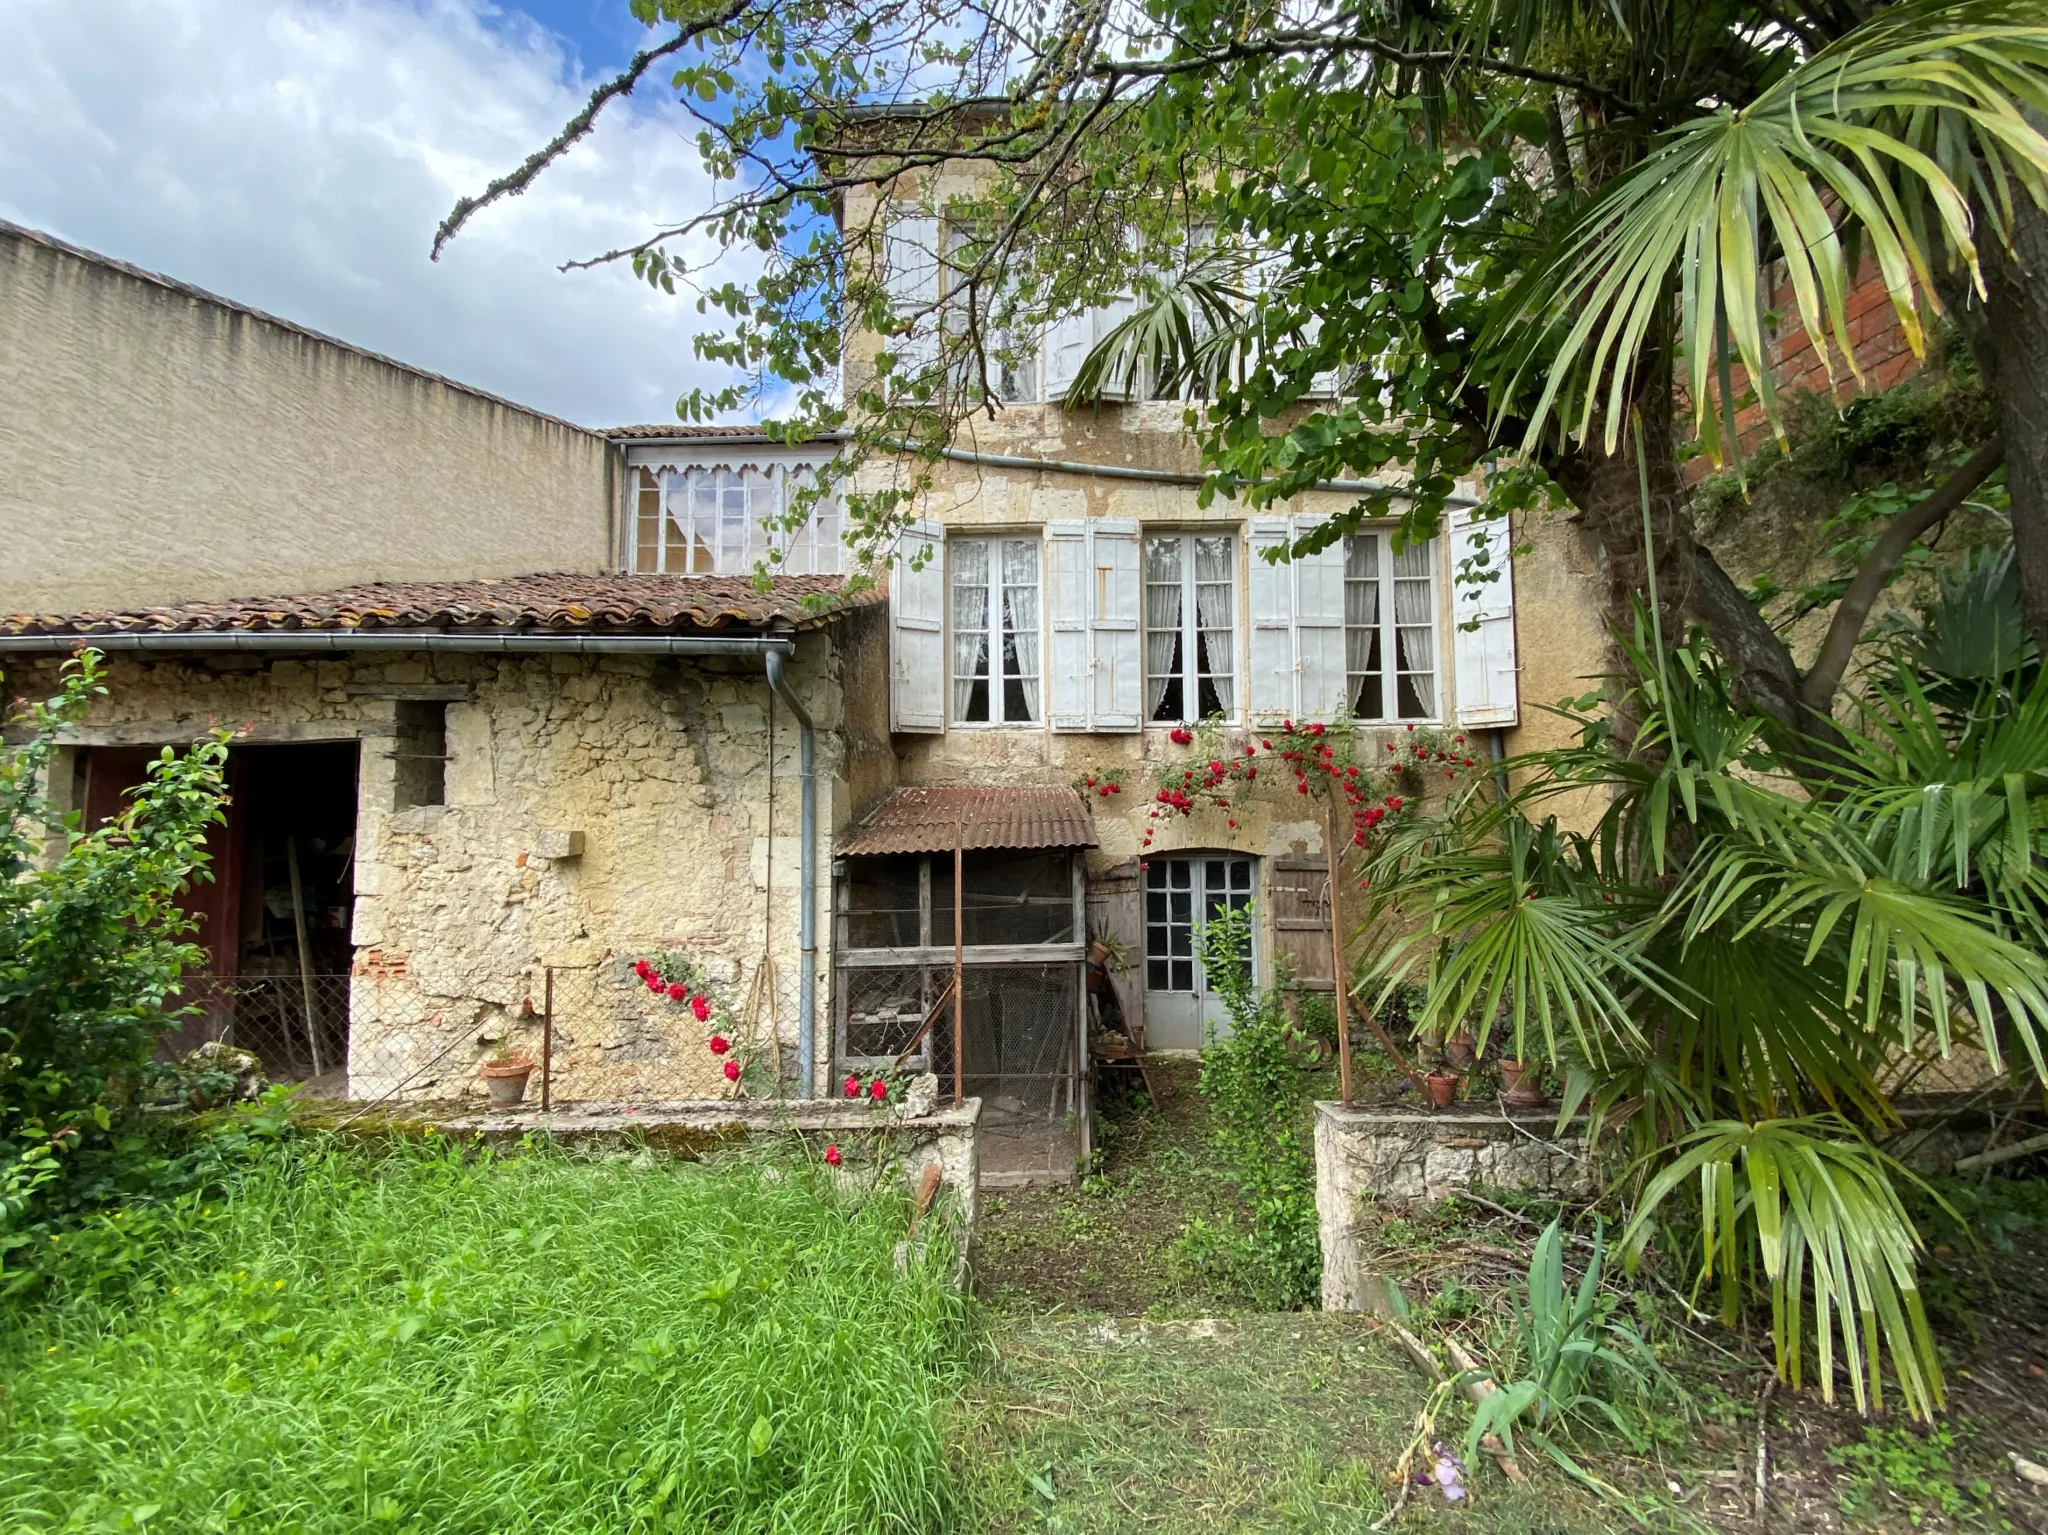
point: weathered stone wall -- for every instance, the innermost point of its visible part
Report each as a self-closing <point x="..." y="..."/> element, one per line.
<point x="661" y="764"/>
<point x="158" y="444"/>
<point x="1367" y="1160"/>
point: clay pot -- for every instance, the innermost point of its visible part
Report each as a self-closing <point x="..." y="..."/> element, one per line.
<point x="1461" y="1053"/>
<point x="1440" y="1089"/>
<point x="505" y="1081"/>
<point x="1524" y="1083"/>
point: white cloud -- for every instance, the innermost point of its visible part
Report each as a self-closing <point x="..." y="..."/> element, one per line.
<point x="297" y="156"/>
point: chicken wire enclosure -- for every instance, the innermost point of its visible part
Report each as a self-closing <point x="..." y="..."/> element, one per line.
<point x="1021" y="963"/>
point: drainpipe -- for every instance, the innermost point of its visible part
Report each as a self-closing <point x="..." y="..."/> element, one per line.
<point x="807" y="874"/>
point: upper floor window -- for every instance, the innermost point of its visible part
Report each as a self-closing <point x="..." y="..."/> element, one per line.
<point x="1190" y="627"/>
<point x="724" y="520"/>
<point x="1389" y="629"/>
<point x="995" y="625"/>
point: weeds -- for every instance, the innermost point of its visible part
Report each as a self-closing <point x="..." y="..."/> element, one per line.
<point x="448" y="1343"/>
<point x="1908" y="1467"/>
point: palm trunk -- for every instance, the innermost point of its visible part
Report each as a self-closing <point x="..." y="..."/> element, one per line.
<point x="2016" y="338"/>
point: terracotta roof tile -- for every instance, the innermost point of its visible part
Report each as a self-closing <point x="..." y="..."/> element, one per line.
<point x="564" y="602"/>
<point x="925" y="819"/>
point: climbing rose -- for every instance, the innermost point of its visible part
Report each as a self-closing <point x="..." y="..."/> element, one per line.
<point x="677" y="992"/>
<point x="701" y="1007"/>
<point x="720" y="1044"/>
<point x="642" y="969"/>
<point x="878" y="1089"/>
<point x="732" y="1071"/>
<point x="851" y="1086"/>
<point x="832" y="1157"/>
<point x="1180" y="735"/>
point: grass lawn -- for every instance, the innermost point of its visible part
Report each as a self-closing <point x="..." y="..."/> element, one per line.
<point x="418" y="1340"/>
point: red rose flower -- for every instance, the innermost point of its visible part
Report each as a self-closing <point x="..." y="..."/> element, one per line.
<point x="1411" y="727"/>
<point x="732" y="1071"/>
<point x="641" y="967"/>
<point x="654" y="982"/>
<point x="701" y="1007"/>
<point x="1393" y="802"/>
<point x="677" y="992"/>
<point x="878" y="1089"/>
<point x="851" y="1086"/>
<point x="832" y="1157"/>
<point x="720" y="1044"/>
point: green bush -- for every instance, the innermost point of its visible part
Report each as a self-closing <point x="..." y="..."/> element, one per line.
<point x="1257" y="1087"/>
<point x="425" y="1340"/>
<point x="92" y="942"/>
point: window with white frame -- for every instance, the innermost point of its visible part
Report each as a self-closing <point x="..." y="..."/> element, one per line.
<point x="1190" y="627"/>
<point x="1390" y="641"/>
<point x="995" y="626"/>
<point x="726" y="520"/>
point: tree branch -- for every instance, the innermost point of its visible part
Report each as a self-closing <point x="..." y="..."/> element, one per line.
<point x="1817" y="691"/>
<point x="622" y="84"/>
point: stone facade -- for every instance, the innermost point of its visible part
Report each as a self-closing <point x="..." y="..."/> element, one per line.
<point x="1406" y="1159"/>
<point x="661" y="765"/>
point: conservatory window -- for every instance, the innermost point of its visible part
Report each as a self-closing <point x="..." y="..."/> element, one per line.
<point x="725" y="521"/>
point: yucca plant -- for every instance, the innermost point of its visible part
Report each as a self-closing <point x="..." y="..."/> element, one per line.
<point x="1728" y="964"/>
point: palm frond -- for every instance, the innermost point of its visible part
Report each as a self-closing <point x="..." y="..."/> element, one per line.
<point x="1875" y="144"/>
<point x="1184" y="333"/>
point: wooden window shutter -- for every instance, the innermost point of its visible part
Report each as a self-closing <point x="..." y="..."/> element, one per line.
<point x="1318" y="629"/>
<point x="1483" y="622"/>
<point x="1117" y="647"/>
<point x="1069" y="583"/>
<point x="910" y="274"/>
<point x="1298" y="894"/>
<point x="1270" y="691"/>
<point x="917" y="630"/>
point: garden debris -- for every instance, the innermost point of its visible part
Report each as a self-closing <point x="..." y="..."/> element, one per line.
<point x="2027" y="1470"/>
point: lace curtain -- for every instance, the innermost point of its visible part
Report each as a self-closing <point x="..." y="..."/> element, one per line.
<point x="1415" y="630"/>
<point x="1020" y="629"/>
<point x="1162" y="622"/>
<point x="970" y="627"/>
<point x="1215" y="580"/>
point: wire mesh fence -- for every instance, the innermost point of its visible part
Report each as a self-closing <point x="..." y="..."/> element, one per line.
<point x="297" y="1026"/>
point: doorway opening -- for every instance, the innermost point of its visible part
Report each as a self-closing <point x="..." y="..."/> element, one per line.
<point x="275" y="917"/>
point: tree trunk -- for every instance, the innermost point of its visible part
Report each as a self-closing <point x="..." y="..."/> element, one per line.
<point x="2016" y="308"/>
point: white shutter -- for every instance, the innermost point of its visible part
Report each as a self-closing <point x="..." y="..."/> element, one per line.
<point x="1323" y="385"/>
<point x="1270" y="600"/>
<point x="1489" y="692"/>
<point x="910" y="274"/>
<point x="1318" y="629"/>
<point x="1117" y="662"/>
<point x="1066" y="344"/>
<point x="917" y="630"/>
<point x="1105" y="320"/>
<point x="1069" y="583"/>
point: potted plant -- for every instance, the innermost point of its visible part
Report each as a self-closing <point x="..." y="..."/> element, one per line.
<point x="505" y="1072"/>
<point x="1461" y="1051"/>
<point x="1440" y="1088"/>
<point x="1524" y="1083"/>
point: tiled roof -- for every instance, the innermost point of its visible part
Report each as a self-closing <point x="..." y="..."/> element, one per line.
<point x="564" y="602"/>
<point x="664" y="431"/>
<point x="926" y="820"/>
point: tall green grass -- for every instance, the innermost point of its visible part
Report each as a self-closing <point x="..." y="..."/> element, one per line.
<point x="425" y="1341"/>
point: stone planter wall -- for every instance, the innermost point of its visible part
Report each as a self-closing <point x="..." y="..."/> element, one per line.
<point x="1415" y="1158"/>
<point x="949" y="1137"/>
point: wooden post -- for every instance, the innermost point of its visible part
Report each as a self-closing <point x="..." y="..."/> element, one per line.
<point x="959" y="962"/>
<point x="1339" y="971"/>
<point x="291" y="861"/>
<point x="547" y="1037"/>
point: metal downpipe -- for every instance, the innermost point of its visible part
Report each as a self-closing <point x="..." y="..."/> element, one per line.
<point x="807" y="876"/>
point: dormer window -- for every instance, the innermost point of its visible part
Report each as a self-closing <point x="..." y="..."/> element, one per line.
<point x="727" y="518"/>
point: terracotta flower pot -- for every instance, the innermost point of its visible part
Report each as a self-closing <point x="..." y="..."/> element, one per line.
<point x="1524" y="1083"/>
<point x="1440" y="1089"/>
<point x="1461" y="1052"/>
<point x="505" y="1081"/>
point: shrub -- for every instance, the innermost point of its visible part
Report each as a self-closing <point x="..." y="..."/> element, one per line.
<point x="1256" y="1085"/>
<point x="92" y="942"/>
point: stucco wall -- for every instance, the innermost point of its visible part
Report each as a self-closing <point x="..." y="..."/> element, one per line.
<point x="662" y="765"/>
<point x="159" y="445"/>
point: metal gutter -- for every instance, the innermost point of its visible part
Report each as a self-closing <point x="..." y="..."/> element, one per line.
<point x="524" y="643"/>
<point x="807" y="875"/>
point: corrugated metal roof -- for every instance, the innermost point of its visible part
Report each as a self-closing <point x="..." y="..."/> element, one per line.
<point x="685" y="431"/>
<point x="565" y="602"/>
<point x="925" y="820"/>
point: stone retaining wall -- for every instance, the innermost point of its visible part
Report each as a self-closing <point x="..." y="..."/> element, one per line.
<point x="1414" y="1158"/>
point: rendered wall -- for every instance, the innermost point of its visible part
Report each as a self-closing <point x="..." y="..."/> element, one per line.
<point x="159" y="445"/>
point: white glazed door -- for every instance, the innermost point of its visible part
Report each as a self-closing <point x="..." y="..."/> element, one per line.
<point x="1182" y="893"/>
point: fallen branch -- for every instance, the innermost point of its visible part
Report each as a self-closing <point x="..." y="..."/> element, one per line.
<point x="1992" y="1158"/>
<point x="1763" y="1444"/>
<point x="1475" y="1387"/>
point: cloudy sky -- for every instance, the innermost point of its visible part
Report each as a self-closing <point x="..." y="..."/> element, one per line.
<point x="296" y="155"/>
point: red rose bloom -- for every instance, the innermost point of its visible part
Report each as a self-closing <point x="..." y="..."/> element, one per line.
<point x="654" y="982"/>
<point x="851" y="1087"/>
<point x="1180" y="735"/>
<point x="641" y="968"/>
<point x="701" y="1006"/>
<point x="878" y="1089"/>
<point x="832" y="1157"/>
<point x="720" y="1044"/>
<point x="732" y="1071"/>
<point x="677" y="992"/>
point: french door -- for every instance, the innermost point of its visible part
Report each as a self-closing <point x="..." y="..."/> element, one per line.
<point x="1181" y="894"/>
